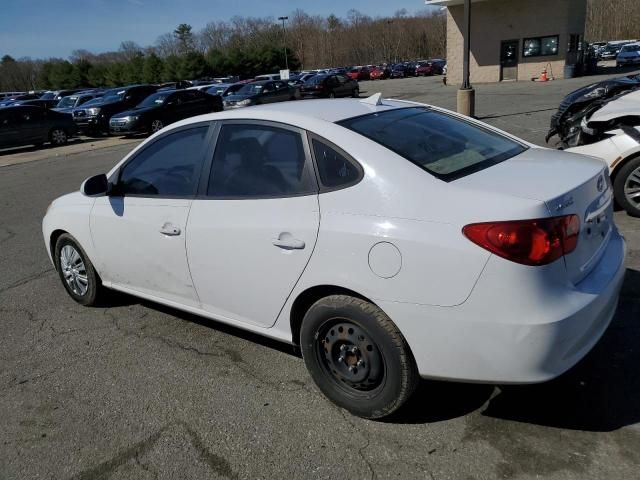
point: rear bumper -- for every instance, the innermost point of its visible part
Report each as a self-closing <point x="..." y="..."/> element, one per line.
<point x="529" y="339"/>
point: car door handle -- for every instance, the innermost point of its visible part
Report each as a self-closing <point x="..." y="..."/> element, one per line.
<point x="170" y="230"/>
<point x="286" y="241"/>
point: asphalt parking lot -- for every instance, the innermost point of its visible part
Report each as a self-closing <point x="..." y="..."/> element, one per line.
<point x="141" y="391"/>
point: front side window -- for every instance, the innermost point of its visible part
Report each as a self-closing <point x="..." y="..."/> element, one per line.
<point x="334" y="169"/>
<point x="169" y="166"/>
<point x="443" y="145"/>
<point x="540" y="46"/>
<point x="259" y="161"/>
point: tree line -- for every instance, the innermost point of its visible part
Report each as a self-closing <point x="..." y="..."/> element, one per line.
<point x="613" y="20"/>
<point x="242" y="46"/>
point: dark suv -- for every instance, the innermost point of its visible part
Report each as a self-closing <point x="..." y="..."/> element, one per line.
<point x="26" y="125"/>
<point x="93" y="117"/>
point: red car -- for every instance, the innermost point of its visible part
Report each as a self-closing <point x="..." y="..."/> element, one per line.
<point x="424" y="69"/>
<point x="378" y="73"/>
<point x="359" y="73"/>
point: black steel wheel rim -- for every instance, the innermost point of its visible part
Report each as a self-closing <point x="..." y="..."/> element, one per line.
<point x="349" y="356"/>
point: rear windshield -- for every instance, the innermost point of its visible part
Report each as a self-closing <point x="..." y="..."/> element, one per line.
<point x="441" y="144"/>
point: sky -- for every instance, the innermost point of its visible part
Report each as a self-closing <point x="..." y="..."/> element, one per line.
<point x="54" y="28"/>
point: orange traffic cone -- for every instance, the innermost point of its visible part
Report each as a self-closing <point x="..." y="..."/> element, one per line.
<point x="543" y="76"/>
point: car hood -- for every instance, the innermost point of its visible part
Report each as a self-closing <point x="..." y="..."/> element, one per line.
<point x="135" y="111"/>
<point x="627" y="104"/>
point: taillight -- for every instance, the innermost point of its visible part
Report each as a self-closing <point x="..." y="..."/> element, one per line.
<point x="530" y="242"/>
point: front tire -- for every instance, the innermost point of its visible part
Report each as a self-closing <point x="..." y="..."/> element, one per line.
<point x="357" y="356"/>
<point x="626" y="187"/>
<point x="58" y="137"/>
<point x="76" y="271"/>
<point x="156" y="125"/>
<point x="355" y="93"/>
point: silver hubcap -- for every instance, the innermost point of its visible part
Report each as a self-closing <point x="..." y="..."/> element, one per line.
<point x="58" y="136"/>
<point x="156" y="125"/>
<point x="73" y="270"/>
<point x="632" y="188"/>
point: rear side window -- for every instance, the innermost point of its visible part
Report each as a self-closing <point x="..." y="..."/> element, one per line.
<point x="334" y="169"/>
<point x="253" y="161"/>
<point x="170" y="166"/>
<point x="441" y="144"/>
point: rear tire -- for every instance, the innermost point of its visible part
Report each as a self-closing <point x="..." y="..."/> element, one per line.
<point x="357" y="356"/>
<point x="156" y="125"/>
<point x="78" y="276"/>
<point x="355" y="93"/>
<point x="626" y="187"/>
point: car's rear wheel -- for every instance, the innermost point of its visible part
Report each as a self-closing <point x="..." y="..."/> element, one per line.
<point x="58" y="137"/>
<point x="332" y="95"/>
<point x="355" y="93"/>
<point x="626" y="187"/>
<point x="156" y="125"/>
<point x="76" y="271"/>
<point x="357" y="356"/>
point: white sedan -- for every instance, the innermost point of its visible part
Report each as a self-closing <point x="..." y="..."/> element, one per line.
<point x="391" y="240"/>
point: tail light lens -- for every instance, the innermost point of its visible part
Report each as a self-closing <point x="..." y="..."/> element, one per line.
<point x="529" y="242"/>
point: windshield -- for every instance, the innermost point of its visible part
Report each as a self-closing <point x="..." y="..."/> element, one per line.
<point x="48" y="96"/>
<point x="67" y="102"/>
<point x="630" y="48"/>
<point x="443" y="145"/>
<point x="217" y="89"/>
<point x="155" y="99"/>
<point x="114" y="95"/>
<point x="250" y="89"/>
<point x="93" y="102"/>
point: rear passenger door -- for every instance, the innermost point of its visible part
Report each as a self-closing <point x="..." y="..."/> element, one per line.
<point x="252" y="229"/>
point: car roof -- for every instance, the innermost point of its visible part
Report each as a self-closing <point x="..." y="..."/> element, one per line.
<point x="296" y="112"/>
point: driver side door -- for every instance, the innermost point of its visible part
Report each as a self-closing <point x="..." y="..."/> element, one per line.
<point x="139" y="229"/>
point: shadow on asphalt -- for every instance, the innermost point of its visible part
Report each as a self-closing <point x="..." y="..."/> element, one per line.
<point x="48" y="146"/>
<point x="600" y="394"/>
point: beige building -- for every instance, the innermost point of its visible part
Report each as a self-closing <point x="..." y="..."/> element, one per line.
<point x="514" y="39"/>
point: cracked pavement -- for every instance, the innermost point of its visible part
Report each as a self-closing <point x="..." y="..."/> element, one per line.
<point x="141" y="391"/>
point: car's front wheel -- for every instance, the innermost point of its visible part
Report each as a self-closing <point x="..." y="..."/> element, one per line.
<point x="76" y="271"/>
<point x="156" y="125"/>
<point x="58" y="137"/>
<point x="355" y="93"/>
<point x="626" y="187"/>
<point x="357" y="356"/>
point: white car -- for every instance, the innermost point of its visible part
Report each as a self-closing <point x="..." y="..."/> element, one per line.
<point x="391" y="240"/>
<point x="620" y="148"/>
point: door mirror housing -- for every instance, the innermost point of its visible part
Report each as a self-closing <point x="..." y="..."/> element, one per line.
<point x="95" y="186"/>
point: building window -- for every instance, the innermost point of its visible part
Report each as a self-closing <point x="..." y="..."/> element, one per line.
<point x="540" y="46"/>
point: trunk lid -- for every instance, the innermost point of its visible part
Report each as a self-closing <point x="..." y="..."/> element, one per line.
<point x="568" y="184"/>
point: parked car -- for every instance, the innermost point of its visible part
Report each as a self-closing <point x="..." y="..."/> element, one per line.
<point x="424" y="69"/>
<point x="433" y="258"/>
<point x="612" y="132"/>
<point x="398" y="71"/>
<point x="30" y="125"/>
<point x="629" y="55"/>
<point x="438" y="66"/>
<point x="163" y="108"/>
<point x="69" y="103"/>
<point x="222" y="88"/>
<point x="264" y="91"/>
<point x="5" y="102"/>
<point x="330" y="86"/>
<point x="93" y="117"/>
<point x="60" y="94"/>
<point x="379" y="73"/>
<point x="37" y="103"/>
<point x="270" y="76"/>
<point x="359" y="73"/>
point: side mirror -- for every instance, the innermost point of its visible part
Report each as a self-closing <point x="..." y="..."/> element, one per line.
<point x="95" y="186"/>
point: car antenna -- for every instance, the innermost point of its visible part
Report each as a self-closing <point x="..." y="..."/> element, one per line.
<point x="375" y="99"/>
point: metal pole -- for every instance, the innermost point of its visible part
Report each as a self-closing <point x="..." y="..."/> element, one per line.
<point x="284" y="41"/>
<point x="466" y="84"/>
